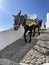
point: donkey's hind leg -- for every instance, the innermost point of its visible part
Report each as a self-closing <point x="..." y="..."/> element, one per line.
<point x="38" y="31"/>
<point x="25" y="36"/>
<point x="34" y="33"/>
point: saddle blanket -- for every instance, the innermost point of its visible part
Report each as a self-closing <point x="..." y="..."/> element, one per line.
<point x="30" y="23"/>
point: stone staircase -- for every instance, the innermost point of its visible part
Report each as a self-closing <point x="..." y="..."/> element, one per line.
<point x="14" y="52"/>
<point x="9" y="62"/>
<point x="17" y="50"/>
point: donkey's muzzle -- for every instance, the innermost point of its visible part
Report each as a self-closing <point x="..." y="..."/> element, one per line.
<point x="16" y="27"/>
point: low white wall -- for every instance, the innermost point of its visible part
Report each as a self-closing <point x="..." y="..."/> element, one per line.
<point x="9" y="36"/>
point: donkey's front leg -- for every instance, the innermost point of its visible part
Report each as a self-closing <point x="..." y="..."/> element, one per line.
<point x="25" y="36"/>
<point x="30" y="35"/>
<point x="38" y="31"/>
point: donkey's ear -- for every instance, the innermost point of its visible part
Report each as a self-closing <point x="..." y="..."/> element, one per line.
<point x="13" y="15"/>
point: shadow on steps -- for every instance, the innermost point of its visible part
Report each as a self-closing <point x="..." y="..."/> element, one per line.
<point x="17" y="50"/>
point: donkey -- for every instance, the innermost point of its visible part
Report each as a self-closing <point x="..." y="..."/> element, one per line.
<point x="21" y="19"/>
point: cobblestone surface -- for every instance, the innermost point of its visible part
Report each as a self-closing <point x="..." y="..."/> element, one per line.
<point x="39" y="53"/>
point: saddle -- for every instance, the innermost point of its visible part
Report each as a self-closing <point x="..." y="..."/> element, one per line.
<point x="30" y="22"/>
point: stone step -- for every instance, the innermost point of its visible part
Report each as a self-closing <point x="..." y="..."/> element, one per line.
<point x="23" y="64"/>
<point x="11" y="50"/>
<point x="4" y="61"/>
<point x="17" y="50"/>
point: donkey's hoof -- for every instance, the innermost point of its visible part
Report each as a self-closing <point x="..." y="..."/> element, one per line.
<point x="33" y="35"/>
<point x="25" y="41"/>
<point x="29" y="41"/>
<point x="39" y="33"/>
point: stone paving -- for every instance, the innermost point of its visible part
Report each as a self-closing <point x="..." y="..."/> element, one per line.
<point x="34" y="53"/>
<point x="39" y="53"/>
<point x="17" y="50"/>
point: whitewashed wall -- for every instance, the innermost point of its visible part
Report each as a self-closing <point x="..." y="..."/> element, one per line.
<point x="9" y="36"/>
<point x="47" y="20"/>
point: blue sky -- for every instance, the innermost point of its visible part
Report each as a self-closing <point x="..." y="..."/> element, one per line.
<point x="10" y="7"/>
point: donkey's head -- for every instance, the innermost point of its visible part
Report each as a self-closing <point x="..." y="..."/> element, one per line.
<point x="16" y="22"/>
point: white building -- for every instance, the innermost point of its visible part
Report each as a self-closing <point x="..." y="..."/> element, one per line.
<point x="47" y="20"/>
<point x="32" y="17"/>
<point x="7" y="37"/>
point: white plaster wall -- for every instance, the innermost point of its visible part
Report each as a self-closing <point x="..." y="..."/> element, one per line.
<point x="9" y="36"/>
<point x="47" y="20"/>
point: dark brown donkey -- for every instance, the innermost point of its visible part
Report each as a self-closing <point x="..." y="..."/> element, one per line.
<point x="21" y="19"/>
